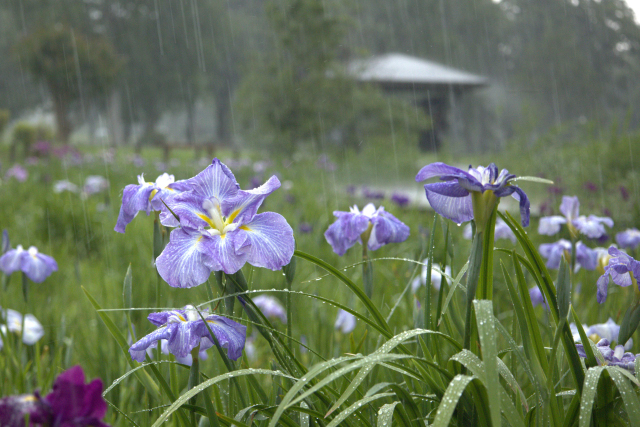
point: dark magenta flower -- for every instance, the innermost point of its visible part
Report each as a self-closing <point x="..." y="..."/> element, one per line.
<point x="623" y="270"/>
<point x="628" y="239"/>
<point x="184" y="330"/>
<point x="71" y="403"/>
<point x="220" y="229"/>
<point x="146" y="196"/>
<point x="350" y="226"/>
<point x="453" y="198"/>
<point x="35" y="265"/>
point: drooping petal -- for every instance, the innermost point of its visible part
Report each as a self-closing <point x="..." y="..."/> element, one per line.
<point x="227" y="252"/>
<point x="245" y="204"/>
<point x="11" y="261"/>
<point x="162" y="318"/>
<point x="450" y="201"/>
<point x="346" y="231"/>
<point x="138" y="350"/>
<point x="586" y="257"/>
<point x="554" y="251"/>
<point x="386" y="229"/>
<point x="184" y="338"/>
<point x="270" y="239"/>
<point x="230" y="335"/>
<point x="550" y="225"/>
<point x="216" y="182"/>
<point x="521" y="196"/>
<point x="602" y="284"/>
<point x="37" y="266"/>
<point x="570" y="207"/>
<point x="182" y="264"/>
<point x="135" y="198"/>
<point x="438" y="169"/>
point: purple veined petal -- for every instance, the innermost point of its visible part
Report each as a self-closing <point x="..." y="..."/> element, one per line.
<point x="227" y="252"/>
<point x="590" y="226"/>
<point x="231" y="335"/>
<point x="455" y="206"/>
<point x="182" y="264"/>
<point x="386" y="229"/>
<point x="11" y="261"/>
<point x="184" y="338"/>
<point x="191" y="210"/>
<point x="135" y="198"/>
<point x="602" y="285"/>
<point x="608" y="330"/>
<point x="162" y="317"/>
<point x="338" y="237"/>
<point x="554" y="251"/>
<point x="216" y="182"/>
<point x="621" y="279"/>
<point x="245" y="204"/>
<point x="271" y="242"/>
<point x="521" y="196"/>
<point x="138" y="350"/>
<point x="550" y="225"/>
<point x="586" y="257"/>
<point x="37" y="266"/>
<point x="438" y="169"/>
<point x="570" y="207"/>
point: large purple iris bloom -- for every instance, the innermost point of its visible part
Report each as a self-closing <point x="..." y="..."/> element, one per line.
<point x="452" y="198"/>
<point x="591" y="226"/>
<point x="585" y="256"/>
<point x="71" y="403"/>
<point x="146" y="196"/>
<point x="184" y="330"/>
<point x="220" y="229"/>
<point x="35" y="265"/>
<point x="623" y="269"/>
<point x="349" y="227"/>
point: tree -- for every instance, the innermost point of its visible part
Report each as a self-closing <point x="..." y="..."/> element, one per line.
<point x="71" y="65"/>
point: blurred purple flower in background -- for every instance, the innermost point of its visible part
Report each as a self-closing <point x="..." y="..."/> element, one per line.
<point x="42" y="148"/>
<point x="64" y="185"/>
<point x="33" y="329"/>
<point x="17" y="172"/>
<point x="271" y="307"/>
<point x="305" y="228"/>
<point x="372" y="194"/>
<point x="137" y="161"/>
<point x="95" y="184"/>
<point x="591" y="226"/>
<point x="537" y="298"/>
<point x="628" y="239"/>
<point x="71" y="403"/>
<point x="502" y="231"/>
<point x="436" y="277"/>
<point x="586" y="257"/>
<point x="624" y="192"/>
<point x="623" y="270"/>
<point x="255" y="182"/>
<point x="146" y="196"/>
<point x="220" y="229"/>
<point x="590" y="186"/>
<point x="324" y="162"/>
<point x="185" y="330"/>
<point x="351" y="190"/>
<point x="35" y="265"/>
<point x="452" y="198"/>
<point x="345" y="322"/>
<point x="400" y="199"/>
<point x="349" y="227"/>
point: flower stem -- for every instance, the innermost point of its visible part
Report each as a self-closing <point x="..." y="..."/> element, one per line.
<point x="367" y="267"/>
<point x="485" y="284"/>
<point x="473" y="274"/>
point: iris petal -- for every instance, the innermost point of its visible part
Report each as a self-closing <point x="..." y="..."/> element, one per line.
<point x="231" y="335"/>
<point x="386" y="229"/>
<point x="438" y="169"/>
<point x="187" y="206"/>
<point x="138" y="350"/>
<point x="271" y="242"/>
<point x="135" y="198"/>
<point x="215" y="182"/>
<point x="245" y="204"/>
<point x="454" y="206"/>
<point x="225" y="252"/>
<point x="182" y="264"/>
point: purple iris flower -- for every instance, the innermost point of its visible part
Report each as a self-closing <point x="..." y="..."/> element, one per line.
<point x="585" y="256"/>
<point x="305" y="228"/>
<point x="220" y="229"/>
<point x="35" y="265"/>
<point x="185" y="330"/>
<point x="95" y="184"/>
<point x="623" y="270"/>
<point x="617" y="357"/>
<point x="188" y="360"/>
<point x="146" y="196"/>
<point x="271" y="307"/>
<point x="33" y="329"/>
<point x="591" y="226"/>
<point x="452" y="198"/>
<point x="502" y="231"/>
<point x="372" y="194"/>
<point x="436" y="278"/>
<point x="64" y="185"/>
<point x="609" y="331"/>
<point x="70" y="403"/>
<point x="347" y="230"/>
<point x="400" y="199"/>
<point x="17" y="172"/>
<point x="628" y="239"/>
<point x="345" y="322"/>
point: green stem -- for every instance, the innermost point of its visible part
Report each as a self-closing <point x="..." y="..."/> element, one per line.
<point x="473" y="274"/>
<point x="427" y="293"/>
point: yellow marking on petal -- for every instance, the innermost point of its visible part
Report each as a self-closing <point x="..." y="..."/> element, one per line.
<point x="211" y="321"/>
<point x="222" y="236"/>
<point x="245" y="228"/>
<point x="181" y="318"/>
<point x="199" y="238"/>
<point x="152" y="194"/>
<point x="207" y="220"/>
<point x="30" y="398"/>
<point x="233" y="216"/>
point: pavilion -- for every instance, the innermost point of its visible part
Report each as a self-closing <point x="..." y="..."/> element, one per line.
<point x="436" y="85"/>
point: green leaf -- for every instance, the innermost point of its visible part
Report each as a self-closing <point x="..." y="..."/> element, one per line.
<point x="487" y="336"/>
<point x="385" y="414"/>
<point x="629" y="324"/>
<point x="586" y="342"/>
<point x="205" y="384"/>
<point x="355" y="407"/>
<point x="628" y="394"/>
<point x="126" y="289"/>
<point x="456" y="284"/>
<point x="589" y="394"/>
<point x="450" y="400"/>
<point x="564" y="289"/>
